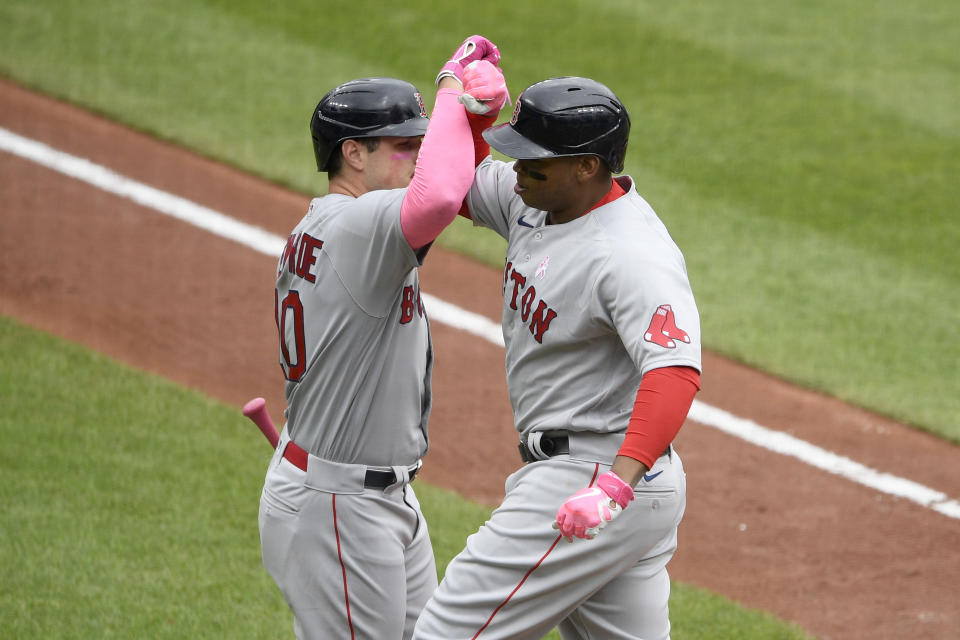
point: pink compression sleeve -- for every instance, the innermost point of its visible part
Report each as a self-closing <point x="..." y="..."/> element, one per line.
<point x="443" y="175"/>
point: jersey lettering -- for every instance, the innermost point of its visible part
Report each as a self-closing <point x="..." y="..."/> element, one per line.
<point x="410" y="301"/>
<point x="288" y="254"/>
<point x="540" y="315"/>
<point x="291" y="310"/>
<point x="528" y="297"/>
<point x="518" y="281"/>
<point x="300" y="255"/>
<point x="542" y="318"/>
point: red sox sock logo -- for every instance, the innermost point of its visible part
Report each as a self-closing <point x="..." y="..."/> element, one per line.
<point x="663" y="329"/>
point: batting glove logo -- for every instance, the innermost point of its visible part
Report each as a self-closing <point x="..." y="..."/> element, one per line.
<point x="663" y="329"/>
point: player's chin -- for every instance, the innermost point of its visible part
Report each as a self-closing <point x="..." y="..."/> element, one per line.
<point x="529" y="198"/>
<point x="525" y="194"/>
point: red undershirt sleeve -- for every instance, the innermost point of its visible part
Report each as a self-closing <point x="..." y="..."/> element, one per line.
<point x="481" y="149"/>
<point x="662" y="403"/>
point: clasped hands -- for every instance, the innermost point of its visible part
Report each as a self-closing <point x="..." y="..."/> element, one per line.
<point x="475" y="65"/>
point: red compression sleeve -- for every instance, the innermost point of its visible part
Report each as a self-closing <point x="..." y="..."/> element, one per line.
<point x="478" y="124"/>
<point x="663" y="400"/>
<point x="481" y="149"/>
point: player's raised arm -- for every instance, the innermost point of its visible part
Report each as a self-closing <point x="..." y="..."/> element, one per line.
<point x="445" y="165"/>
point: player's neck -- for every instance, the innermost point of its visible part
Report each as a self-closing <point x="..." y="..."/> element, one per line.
<point x="585" y="201"/>
<point x="342" y="184"/>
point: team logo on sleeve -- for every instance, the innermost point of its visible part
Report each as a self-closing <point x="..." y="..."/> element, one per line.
<point x="663" y="329"/>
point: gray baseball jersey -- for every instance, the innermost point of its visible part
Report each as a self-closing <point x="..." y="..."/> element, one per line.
<point x="589" y="306"/>
<point x="584" y="304"/>
<point x="352" y="559"/>
<point x="354" y="333"/>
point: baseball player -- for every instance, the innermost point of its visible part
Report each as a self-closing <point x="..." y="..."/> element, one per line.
<point x="341" y="530"/>
<point x="602" y="361"/>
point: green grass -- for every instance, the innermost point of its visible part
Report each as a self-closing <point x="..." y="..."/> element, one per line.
<point x="803" y="154"/>
<point x="129" y="510"/>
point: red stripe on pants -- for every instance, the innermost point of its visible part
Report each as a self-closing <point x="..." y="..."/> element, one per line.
<point x="343" y="568"/>
<point x="486" y="624"/>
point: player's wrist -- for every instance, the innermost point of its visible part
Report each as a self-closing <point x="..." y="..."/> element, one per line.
<point x="450" y="70"/>
<point x="614" y="486"/>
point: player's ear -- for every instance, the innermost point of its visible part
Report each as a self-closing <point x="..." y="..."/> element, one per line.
<point x="353" y="154"/>
<point x="588" y="167"/>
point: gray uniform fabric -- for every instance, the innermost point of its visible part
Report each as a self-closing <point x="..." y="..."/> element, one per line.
<point x="364" y="396"/>
<point x="604" y="275"/>
<point x="351" y="561"/>
<point x="588" y="308"/>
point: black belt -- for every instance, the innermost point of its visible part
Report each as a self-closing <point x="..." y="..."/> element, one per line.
<point x="383" y="479"/>
<point x="545" y="447"/>
<point x="540" y="446"/>
<point x="373" y="480"/>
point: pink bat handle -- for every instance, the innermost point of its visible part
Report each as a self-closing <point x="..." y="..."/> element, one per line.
<point x="256" y="410"/>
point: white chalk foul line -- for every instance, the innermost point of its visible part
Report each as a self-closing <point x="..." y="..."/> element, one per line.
<point x="271" y="244"/>
<point x="147" y="196"/>
<point x="813" y="455"/>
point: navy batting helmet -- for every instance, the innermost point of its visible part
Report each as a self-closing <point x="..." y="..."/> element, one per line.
<point x="567" y="116"/>
<point x="366" y="108"/>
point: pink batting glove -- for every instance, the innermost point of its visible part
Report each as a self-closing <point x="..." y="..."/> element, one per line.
<point x="473" y="48"/>
<point x="484" y="88"/>
<point x="589" y="510"/>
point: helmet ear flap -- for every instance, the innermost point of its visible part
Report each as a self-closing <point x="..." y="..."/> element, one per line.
<point x="322" y="149"/>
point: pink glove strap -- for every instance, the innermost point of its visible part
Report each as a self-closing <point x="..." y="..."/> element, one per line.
<point x="473" y="48"/>
<point x="453" y="69"/>
<point x="618" y="490"/>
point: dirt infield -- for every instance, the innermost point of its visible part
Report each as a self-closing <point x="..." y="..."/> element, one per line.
<point x="841" y="560"/>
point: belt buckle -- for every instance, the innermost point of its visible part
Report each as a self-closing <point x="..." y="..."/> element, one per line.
<point x="535" y="444"/>
<point x="538" y="447"/>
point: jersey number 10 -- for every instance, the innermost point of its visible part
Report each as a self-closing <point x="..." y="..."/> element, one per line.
<point x="291" y="309"/>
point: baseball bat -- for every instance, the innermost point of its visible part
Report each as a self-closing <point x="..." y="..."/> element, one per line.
<point x="256" y="410"/>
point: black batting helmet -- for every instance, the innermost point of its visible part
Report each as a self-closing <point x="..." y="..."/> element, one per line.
<point x="567" y="116"/>
<point x="366" y="108"/>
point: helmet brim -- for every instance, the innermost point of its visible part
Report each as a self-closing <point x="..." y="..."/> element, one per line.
<point x="408" y="129"/>
<point x="505" y="139"/>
